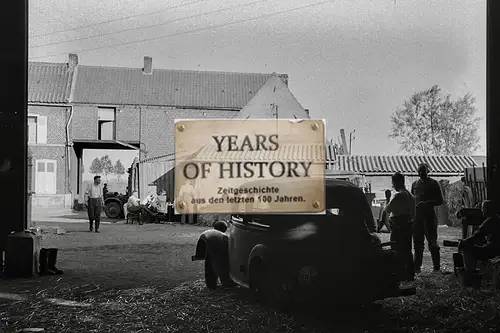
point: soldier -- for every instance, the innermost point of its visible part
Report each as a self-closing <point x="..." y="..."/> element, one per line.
<point x="428" y="195"/>
<point x="401" y="211"/>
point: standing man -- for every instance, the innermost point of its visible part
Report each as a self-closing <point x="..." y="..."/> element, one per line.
<point x="105" y="190"/>
<point x="467" y="195"/>
<point x="401" y="211"/>
<point x="95" y="202"/>
<point x="187" y="194"/>
<point x="428" y="195"/>
<point x="383" y="218"/>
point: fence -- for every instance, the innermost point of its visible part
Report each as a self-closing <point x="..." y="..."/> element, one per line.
<point x="477" y="179"/>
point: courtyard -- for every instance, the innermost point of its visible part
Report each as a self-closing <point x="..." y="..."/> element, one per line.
<point x="140" y="278"/>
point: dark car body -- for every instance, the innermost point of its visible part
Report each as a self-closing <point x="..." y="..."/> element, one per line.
<point x="333" y="255"/>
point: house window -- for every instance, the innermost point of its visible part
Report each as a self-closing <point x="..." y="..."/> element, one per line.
<point x="37" y="129"/>
<point x="46" y="177"/>
<point x="32" y="129"/>
<point x="106" y="123"/>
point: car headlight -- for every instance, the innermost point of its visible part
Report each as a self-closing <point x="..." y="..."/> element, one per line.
<point x="307" y="275"/>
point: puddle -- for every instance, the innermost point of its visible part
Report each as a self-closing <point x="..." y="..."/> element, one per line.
<point x="64" y="302"/>
<point x="33" y="330"/>
<point x="12" y="297"/>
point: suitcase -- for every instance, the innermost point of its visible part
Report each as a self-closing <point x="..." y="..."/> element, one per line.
<point x="21" y="255"/>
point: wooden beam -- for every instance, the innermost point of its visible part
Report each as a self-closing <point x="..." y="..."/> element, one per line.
<point x="493" y="99"/>
<point x="13" y="120"/>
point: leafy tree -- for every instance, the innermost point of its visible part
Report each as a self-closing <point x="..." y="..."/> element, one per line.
<point x="96" y="167"/>
<point x="119" y="169"/>
<point x="431" y="124"/>
<point x="107" y="166"/>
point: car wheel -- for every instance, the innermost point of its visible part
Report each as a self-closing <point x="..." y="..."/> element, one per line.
<point x="112" y="210"/>
<point x="210" y="276"/>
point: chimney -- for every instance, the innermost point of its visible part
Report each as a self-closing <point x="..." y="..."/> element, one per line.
<point x="148" y="66"/>
<point x="284" y="78"/>
<point x="73" y="61"/>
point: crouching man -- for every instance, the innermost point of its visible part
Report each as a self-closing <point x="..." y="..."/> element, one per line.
<point x="484" y="244"/>
<point x="217" y="245"/>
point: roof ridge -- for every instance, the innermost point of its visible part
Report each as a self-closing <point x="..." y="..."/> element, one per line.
<point x="48" y="63"/>
<point x="421" y="156"/>
<point x="177" y="70"/>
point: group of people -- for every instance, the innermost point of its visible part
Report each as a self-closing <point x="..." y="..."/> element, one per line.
<point x="94" y="198"/>
<point x="412" y="217"/>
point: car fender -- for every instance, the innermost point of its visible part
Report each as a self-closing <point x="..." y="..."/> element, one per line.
<point x="112" y="199"/>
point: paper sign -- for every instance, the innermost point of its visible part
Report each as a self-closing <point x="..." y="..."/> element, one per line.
<point x="244" y="166"/>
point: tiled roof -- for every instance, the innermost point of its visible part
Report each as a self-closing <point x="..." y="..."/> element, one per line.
<point x="329" y="156"/>
<point x="290" y="152"/>
<point x="181" y="88"/>
<point x="403" y="164"/>
<point x="48" y="82"/>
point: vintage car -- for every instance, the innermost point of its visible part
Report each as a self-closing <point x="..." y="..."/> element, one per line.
<point x="334" y="255"/>
<point x="113" y="204"/>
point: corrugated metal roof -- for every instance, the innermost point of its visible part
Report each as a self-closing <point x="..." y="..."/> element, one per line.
<point x="357" y="164"/>
<point x="181" y="88"/>
<point x="403" y="164"/>
<point x="289" y="152"/>
<point x="48" y="82"/>
<point x="329" y="155"/>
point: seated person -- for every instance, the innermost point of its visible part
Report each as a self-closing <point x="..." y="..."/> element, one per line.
<point x="217" y="244"/>
<point x="134" y="206"/>
<point x="484" y="244"/>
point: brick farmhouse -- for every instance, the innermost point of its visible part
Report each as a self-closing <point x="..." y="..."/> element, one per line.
<point x="72" y="107"/>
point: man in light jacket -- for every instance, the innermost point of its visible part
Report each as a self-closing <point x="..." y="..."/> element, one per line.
<point x="95" y="201"/>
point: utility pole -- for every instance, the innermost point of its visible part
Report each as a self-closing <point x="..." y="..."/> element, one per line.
<point x="351" y="139"/>
<point x="344" y="142"/>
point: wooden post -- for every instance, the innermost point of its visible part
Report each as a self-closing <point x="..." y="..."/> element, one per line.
<point x="13" y="122"/>
<point x="493" y="100"/>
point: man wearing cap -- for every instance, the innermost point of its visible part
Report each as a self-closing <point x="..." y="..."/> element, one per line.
<point x="95" y="202"/>
<point x="428" y="195"/>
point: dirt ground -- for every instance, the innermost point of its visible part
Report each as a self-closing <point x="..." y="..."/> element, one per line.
<point x="120" y="256"/>
<point x="133" y="278"/>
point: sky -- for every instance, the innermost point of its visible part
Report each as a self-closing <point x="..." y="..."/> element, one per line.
<point x="349" y="62"/>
